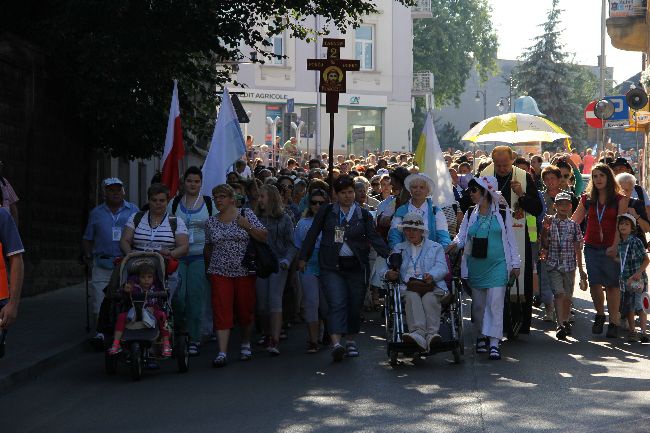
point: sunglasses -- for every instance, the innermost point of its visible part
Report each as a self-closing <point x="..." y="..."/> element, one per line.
<point x="317" y="202"/>
<point x="473" y="189"/>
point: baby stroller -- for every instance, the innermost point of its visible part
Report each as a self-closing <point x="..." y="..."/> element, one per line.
<point x="141" y="339"/>
<point x="451" y="319"/>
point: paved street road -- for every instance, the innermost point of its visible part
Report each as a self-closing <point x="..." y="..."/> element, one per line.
<point x="541" y="386"/>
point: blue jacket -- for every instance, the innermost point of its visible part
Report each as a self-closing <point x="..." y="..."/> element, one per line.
<point x="395" y="236"/>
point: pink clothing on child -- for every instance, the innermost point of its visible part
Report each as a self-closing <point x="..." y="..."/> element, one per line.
<point x="161" y="319"/>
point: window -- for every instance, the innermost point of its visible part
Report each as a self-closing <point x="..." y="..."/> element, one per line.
<point x="277" y="49"/>
<point x="363" y="48"/>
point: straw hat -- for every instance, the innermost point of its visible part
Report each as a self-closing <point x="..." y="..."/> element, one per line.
<point x="413" y="220"/>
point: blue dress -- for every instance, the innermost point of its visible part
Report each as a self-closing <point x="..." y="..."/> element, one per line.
<point x="491" y="271"/>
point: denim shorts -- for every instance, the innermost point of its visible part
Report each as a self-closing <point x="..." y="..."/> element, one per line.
<point x="601" y="269"/>
<point x="632" y="302"/>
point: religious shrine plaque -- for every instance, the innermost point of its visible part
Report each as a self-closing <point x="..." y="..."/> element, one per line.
<point x="332" y="72"/>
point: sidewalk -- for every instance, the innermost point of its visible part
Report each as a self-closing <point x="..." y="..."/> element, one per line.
<point x="49" y="329"/>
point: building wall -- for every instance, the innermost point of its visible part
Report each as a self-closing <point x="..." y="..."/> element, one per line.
<point x="385" y="91"/>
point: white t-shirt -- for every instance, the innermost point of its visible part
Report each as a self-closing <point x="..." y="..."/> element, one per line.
<point x="147" y="239"/>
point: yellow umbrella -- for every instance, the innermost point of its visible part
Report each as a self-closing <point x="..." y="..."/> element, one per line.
<point x="515" y="128"/>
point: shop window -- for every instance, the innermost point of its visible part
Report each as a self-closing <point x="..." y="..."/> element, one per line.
<point x="365" y="131"/>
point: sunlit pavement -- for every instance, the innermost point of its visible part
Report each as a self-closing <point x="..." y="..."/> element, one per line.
<point x="588" y="384"/>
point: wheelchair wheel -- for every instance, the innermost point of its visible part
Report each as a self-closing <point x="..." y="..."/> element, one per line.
<point x="110" y="363"/>
<point x="388" y="322"/>
<point x="182" y="353"/>
<point x="136" y="361"/>
<point x="393" y="354"/>
<point x="456" y="353"/>
<point x="461" y="338"/>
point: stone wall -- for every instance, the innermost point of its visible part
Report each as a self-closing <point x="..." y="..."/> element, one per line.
<point x="48" y="164"/>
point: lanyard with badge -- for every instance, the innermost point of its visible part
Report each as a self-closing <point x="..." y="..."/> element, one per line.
<point x="152" y="232"/>
<point x="600" y="216"/>
<point x="415" y="262"/>
<point x="339" y="230"/>
<point x="190" y="229"/>
<point x="116" y="231"/>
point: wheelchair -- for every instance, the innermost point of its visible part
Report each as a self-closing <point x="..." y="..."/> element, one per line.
<point x="451" y="320"/>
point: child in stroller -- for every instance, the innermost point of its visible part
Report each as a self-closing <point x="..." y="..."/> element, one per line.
<point x="421" y="277"/>
<point x="142" y="282"/>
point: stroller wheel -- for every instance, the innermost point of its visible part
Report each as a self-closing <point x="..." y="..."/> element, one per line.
<point x="182" y="353"/>
<point x="136" y="361"/>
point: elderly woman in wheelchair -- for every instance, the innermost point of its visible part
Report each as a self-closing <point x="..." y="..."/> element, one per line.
<point x="421" y="275"/>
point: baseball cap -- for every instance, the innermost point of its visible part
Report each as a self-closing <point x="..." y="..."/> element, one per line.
<point x="563" y="196"/>
<point x="112" y="181"/>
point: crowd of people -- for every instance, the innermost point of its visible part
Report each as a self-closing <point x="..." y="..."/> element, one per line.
<point x="530" y="220"/>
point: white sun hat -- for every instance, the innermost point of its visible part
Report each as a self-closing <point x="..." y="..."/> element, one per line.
<point x="421" y="177"/>
<point x="413" y="220"/>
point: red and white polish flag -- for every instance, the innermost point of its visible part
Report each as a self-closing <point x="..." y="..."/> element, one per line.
<point x="174" y="149"/>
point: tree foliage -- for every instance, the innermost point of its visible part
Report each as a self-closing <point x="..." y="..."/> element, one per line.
<point x="560" y="87"/>
<point x="458" y="38"/>
<point x="448" y="136"/>
<point x="116" y="59"/>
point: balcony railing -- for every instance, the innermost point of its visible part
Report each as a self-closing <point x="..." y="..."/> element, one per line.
<point x="422" y="83"/>
<point x="422" y="9"/>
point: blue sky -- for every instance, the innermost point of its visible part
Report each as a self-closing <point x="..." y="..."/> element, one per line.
<point x="516" y="23"/>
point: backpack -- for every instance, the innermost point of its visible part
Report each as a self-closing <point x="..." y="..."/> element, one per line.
<point x="173" y="223"/>
<point x="206" y="199"/>
<point x="640" y="194"/>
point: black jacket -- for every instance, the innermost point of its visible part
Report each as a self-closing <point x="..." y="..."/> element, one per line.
<point x="360" y="233"/>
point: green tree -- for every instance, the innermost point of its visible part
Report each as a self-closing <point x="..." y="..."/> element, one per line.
<point x="560" y="87"/>
<point x="448" y="136"/>
<point x="458" y="38"/>
<point x="116" y="59"/>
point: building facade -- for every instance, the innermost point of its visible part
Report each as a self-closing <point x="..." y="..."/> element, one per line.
<point x="374" y="114"/>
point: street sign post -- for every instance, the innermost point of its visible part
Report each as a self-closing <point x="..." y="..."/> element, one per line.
<point x="590" y="116"/>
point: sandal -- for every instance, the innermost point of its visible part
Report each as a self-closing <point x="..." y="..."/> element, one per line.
<point x="245" y="353"/>
<point x="220" y="360"/>
<point x="481" y="345"/>
<point x="312" y="348"/>
<point x="193" y="349"/>
<point x="495" y="353"/>
<point x="351" y="349"/>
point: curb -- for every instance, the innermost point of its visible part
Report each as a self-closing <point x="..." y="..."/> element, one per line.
<point x="26" y="374"/>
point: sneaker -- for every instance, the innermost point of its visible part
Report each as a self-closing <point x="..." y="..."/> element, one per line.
<point x="567" y="327"/>
<point x="220" y="361"/>
<point x="338" y="352"/>
<point x="549" y="316"/>
<point x="599" y="322"/>
<point x="114" y="349"/>
<point x="272" y="347"/>
<point x="245" y="353"/>
<point x="612" y="331"/>
<point x="632" y="337"/>
<point x="263" y="341"/>
<point x="420" y="341"/>
<point x="561" y="333"/>
<point x="433" y="340"/>
<point x="312" y="348"/>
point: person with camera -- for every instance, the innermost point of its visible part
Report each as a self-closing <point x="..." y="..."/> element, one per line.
<point x="490" y="259"/>
<point x="422" y="273"/>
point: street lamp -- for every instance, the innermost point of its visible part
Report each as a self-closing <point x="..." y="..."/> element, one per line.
<point x="273" y="123"/>
<point x="477" y="98"/>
